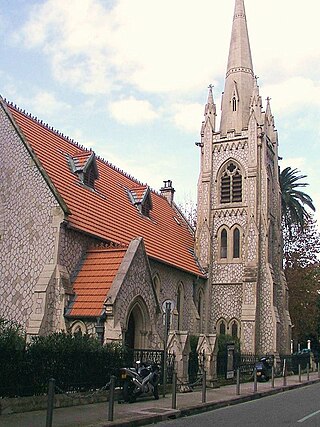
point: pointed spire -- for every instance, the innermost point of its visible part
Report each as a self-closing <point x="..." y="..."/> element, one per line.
<point x="210" y="108"/>
<point x="239" y="81"/>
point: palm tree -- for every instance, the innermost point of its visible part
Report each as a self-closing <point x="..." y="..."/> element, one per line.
<point x="293" y="201"/>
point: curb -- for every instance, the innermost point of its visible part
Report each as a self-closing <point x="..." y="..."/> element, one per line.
<point x="203" y="407"/>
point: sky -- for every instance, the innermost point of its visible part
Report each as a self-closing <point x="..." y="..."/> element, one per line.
<point x="129" y="78"/>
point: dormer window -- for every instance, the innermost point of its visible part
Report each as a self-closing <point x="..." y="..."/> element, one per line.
<point x="140" y="197"/>
<point x="85" y="166"/>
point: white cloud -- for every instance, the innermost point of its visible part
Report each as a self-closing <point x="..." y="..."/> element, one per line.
<point x="132" y="111"/>
<point x="46" y="103"/>
<point x="293" y="94"/>
<point x="187" y="117"/>
<point x="293" y="162"/>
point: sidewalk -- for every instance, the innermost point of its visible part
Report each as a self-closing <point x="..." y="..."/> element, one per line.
<point x="148" y="411"/>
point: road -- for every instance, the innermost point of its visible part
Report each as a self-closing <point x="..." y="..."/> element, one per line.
<point x="299" y="408"/>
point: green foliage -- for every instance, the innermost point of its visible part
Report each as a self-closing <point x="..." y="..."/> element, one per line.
<point x="293" y="201"/>
<point x="11" y="336"/>
<point x="224" y="340"/>
<point x="76" y="362"/>
<point x="302" y="270"/>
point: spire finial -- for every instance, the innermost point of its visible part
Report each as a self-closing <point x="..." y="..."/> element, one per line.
<point x="239" y="75"/>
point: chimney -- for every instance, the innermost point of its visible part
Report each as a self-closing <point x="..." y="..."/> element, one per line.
<point x="167" y="191"/>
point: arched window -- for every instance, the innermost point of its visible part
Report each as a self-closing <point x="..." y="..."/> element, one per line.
<point x="222" y="328"/>
<point x="236" y="243"/>
<point x="231" y="184"/>
<point x="234" y="329"/>
<point x="200" y="309"/>
<point x="180" y="297"/>
<point x="234" y="104"/>
<point x="224" y="244"/>
<point x="157" y="285"/>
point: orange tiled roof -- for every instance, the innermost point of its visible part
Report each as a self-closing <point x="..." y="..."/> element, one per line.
<point x="94" y="281"/>
<point x="108" y="211"/>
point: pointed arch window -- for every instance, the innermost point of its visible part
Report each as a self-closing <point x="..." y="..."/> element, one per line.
<point x="234" y="104"/>
<point x="222" y="328"/>
<point x="200" y="309"/>
<point x="157" y="285"/>
<point x="224" y="244"/>
<point x="234" y="329"/>
<point x="236" y="243"/>
<point x="231" y="184"/>
<point x="180" y="297"/>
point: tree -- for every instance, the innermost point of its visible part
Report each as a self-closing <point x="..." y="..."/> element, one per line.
<point x="293" y="201"/>
<point x="302" y="270"/>
<point x="301" y="247"/>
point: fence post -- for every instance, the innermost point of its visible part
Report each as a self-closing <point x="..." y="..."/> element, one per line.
<point x="111" y="397"/>
<point x="204" y="386"/>
<point x="255" y="385"/>
<point x="174" y="390"/>
<point x="308" y="372"/>
<point x="299" y="370"/>
<point x="284" y="372"/>
<point x="272" y="376"/>
<point x="238" y="382"/>
<point x="51" y="388"/>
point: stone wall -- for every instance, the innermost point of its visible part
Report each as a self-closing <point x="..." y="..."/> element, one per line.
<point x="27" y="234"/>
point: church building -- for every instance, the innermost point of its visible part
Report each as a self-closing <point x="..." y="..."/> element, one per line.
<point x="86" y="247"/>
<point x="238" y="236"/>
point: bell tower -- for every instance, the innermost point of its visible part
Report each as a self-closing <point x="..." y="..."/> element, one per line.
<point x="238" y="236"/>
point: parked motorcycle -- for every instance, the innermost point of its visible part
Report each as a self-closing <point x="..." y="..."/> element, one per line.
<point x="263" y="369"/>
<point x="142" y="379"/>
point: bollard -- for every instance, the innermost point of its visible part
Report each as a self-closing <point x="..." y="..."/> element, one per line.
<point x="51" y="388"/>
<point x="204" y="387"/>
<point x="284" y="372"/>
<point x="299" y="370"/>
<point x="255" y="384"/>
<point x="238" y="382"/>
<point x="111" y="397"/>
<point x="318" y="369"/>
<point x="308" y="372"/>
<point x="272" y="376"/>
<point x="174" y="390"/>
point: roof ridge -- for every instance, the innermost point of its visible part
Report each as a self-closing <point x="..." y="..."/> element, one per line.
<point x="46" y="126"/>
<point x="73" y="142"/>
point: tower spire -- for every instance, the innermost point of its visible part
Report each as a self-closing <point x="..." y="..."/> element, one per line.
<point x="239" y="80"/>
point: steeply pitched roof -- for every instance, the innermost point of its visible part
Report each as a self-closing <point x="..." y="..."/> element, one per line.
<point x="107" y="212"/>
<point x="94" y="281"/>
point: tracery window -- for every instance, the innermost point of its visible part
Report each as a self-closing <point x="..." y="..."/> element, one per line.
<point x="231" y="184"/>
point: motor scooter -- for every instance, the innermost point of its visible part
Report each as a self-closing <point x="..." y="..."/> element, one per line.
<point x="263" y="369"/>
<point x="142" y="379"/>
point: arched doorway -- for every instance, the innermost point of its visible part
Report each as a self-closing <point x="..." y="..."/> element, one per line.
<point x="138" y="325"/>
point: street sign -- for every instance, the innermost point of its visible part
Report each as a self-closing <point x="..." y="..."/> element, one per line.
<point x="168" y="303"/>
